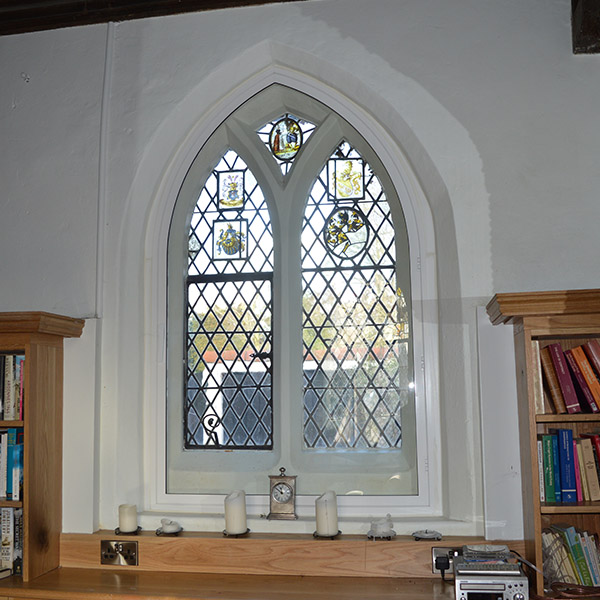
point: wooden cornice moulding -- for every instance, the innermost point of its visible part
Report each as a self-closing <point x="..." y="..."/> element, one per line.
<point x="40" y="322"/>
<point x="267" y="554"/>
<point x="510" y="307"/>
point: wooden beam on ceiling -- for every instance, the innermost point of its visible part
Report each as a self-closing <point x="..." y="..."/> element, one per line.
<point x="22" y="16"/>
<point x="585" y="25"/>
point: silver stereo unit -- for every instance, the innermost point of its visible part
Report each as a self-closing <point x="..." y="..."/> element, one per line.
<point x="489" y="581"/>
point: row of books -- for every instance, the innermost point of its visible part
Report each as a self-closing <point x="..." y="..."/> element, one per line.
<point x="569" y="466"/>
<point x="11" y="547"/>
<point x="570" y="556"/>
<point x="571" y="378"/>
<point x="11" y="387"/>
<point x="11" y="463"/>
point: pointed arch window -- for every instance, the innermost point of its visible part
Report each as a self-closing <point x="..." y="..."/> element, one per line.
<point x="229" y="313"/>
<point x="292" y="336"/>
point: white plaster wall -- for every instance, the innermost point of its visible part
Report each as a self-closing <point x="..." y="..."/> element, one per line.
<point x="484" y="100"/>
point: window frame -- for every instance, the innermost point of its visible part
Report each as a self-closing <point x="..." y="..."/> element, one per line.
<point x="424" y="325"/>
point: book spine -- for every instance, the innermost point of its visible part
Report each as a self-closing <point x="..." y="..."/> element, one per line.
<point x="21" y="388"/>
<point x="582" y="470"/>
<point x="540" y="456"/>
<point x="9" y="388"/>
<point x="7" y="544"/>
<point x="568" y="485"/>
<point x="564" y="378"/>
<point x="556" y="468"/>
<point x="579" y="556"/>
<point x="578" y="484"/>
<point x="592" y="351"/>
<point x="588" y="373"/>
<point x="548" y="468"/>
<point x="581" y="381"/>
<point x="10" y="452"/>
<point x="2" y="363"/>
<point x="584" y="541"/>
<point x="552" y="381"/>
<point x="18" y="535"/>
<point x="538" y="383"/>
<point x="591" y="472"/>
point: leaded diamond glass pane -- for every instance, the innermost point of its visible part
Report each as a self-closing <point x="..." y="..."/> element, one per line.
<point x="228" y="373"/>
<point x="355" y="326"/>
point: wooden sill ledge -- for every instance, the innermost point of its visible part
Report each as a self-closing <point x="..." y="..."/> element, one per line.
<point x="105" y="584"/>
<point x="267" y="554"/>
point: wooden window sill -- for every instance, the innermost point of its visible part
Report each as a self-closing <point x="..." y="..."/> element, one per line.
<point x="108" y="584"/>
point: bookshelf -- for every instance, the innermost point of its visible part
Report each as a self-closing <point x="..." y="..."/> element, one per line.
<point x="39" y="337"/>
<point x="539" y="318"/>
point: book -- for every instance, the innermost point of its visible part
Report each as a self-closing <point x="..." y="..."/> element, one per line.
<point x="593" y="550"/>
<point x="19" y="385"/>
<point x="17" y="568"/>
<point x="587" y="551"/>
<point x="10" y="460"/>
<point x="3" y="462"/>
<point x="586" y="395"/>
<point x="556" y="469"/>
<point x="590" y="469"/>
<point x="551" y="381"/>
<point x="564" y="378"/>
<point x="568" y="485"/>
<point x="2" y="361"/>
<point x="7" y="537"/>
<point x="578" y="473"/>
<point x="540" y="457"/>
<point x="588" y="373"/>
<point x="591" y="472"/>
<point x="549" y="484"/>
<point x="543" y="404"/>
<point x="9" y="387"/>
<point x="585" y="490"/>
<point x="17" y="472"/>
<point x="559" y="565"/>
<point x="592" y="351"/>
<point x="571" y="536"/>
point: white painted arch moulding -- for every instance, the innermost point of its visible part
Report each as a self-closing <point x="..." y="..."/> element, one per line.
<point x="160" y="176"/>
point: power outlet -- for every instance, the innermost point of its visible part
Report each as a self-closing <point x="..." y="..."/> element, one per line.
<point x="437" y="552"/>
<point x="118" y="553"/>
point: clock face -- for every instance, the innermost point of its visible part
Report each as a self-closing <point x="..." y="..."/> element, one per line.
<point x="281" y="492"/>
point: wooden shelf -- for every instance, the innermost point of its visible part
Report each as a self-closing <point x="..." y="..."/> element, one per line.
<point x="569" y="317"/>
<point x="549" y="508"/>
<point x="4" y="424"/>
<point x="576" y="418"/>
<point x="39" y="337"/>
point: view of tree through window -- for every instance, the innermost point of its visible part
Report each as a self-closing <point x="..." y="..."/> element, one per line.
<point x="355" y="323"/>
<point x="230" y="268"/>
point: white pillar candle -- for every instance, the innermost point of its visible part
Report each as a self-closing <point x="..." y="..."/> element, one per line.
<point x="235" y="513"/>
<point x="127" y="518"/>
<point x="327" y="519"/>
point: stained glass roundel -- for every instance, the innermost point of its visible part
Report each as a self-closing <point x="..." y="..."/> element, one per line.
<point x="285" y="139"/>
<point x="346" y="232"/>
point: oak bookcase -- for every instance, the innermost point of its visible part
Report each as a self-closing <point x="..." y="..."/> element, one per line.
<point x="539" y="318"/>
<point x="39" y="336"/>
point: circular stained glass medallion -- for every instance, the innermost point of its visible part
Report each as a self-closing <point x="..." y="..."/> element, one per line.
<point x="285" y="139"/>
<point x="346" y="232"/>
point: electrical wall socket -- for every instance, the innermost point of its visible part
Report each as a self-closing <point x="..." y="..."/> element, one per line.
<point x="118" y="553"/>
<point x="440" y="551"/>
